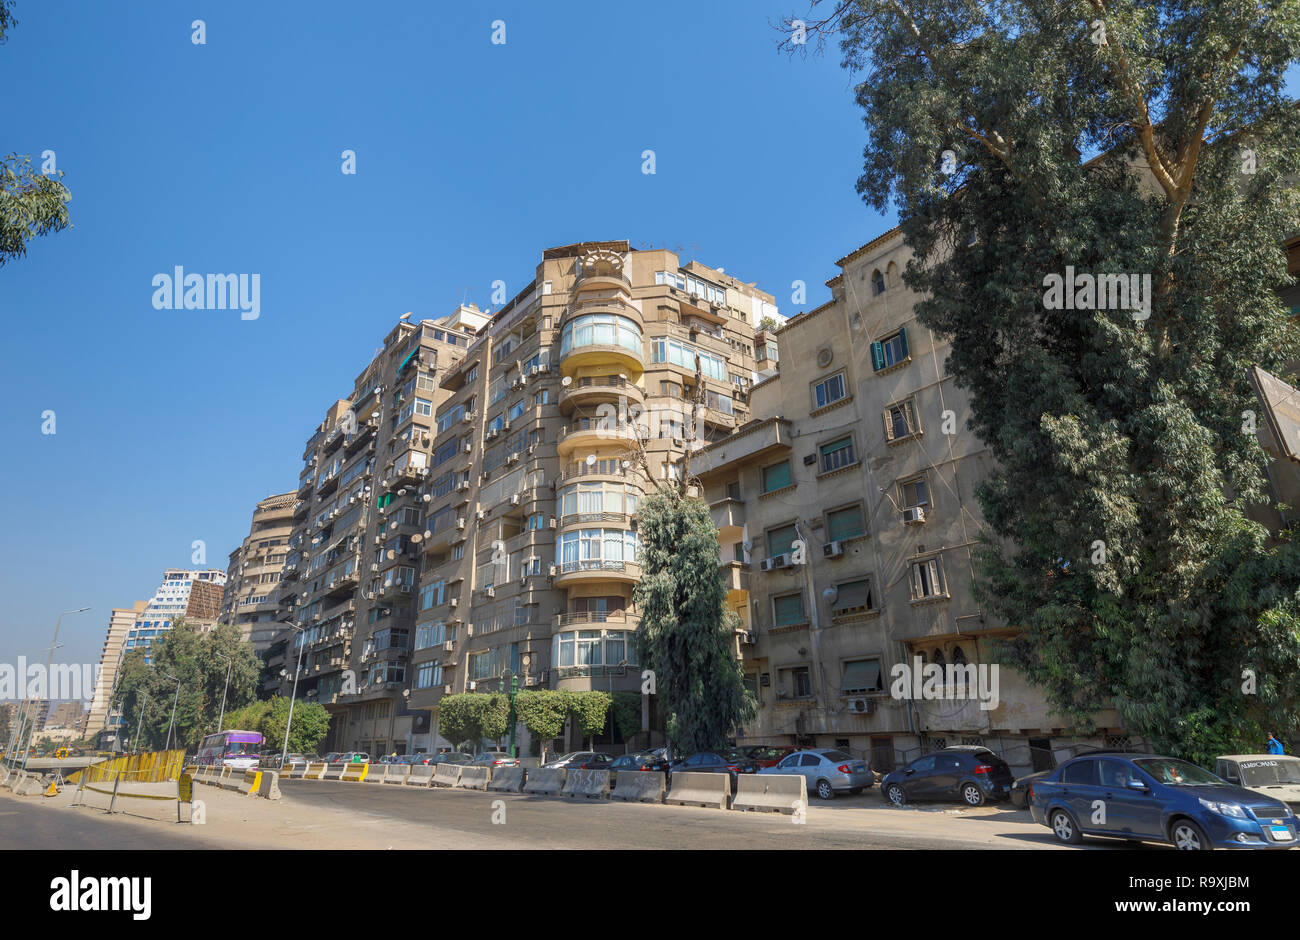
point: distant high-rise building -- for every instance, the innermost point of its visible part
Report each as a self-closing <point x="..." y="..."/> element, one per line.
<point x="120" y="623"/>
<point x="252" y="595"/>
<point x="173" y="600"/>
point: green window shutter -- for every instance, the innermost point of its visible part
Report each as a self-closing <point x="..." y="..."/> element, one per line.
<point x="877" y="356"/>
<point x="776" y="477"/>
<point x="902" y="342"/>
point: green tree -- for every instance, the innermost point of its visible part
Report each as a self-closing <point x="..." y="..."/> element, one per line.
<point x="468" y="718"/>
<point x="1118" y="541"/>
<point x="686" y="634"/>
<point x="311" y="723"/>
<point x="590" y="710"/>
<point x="627" y="713"/>
<point x="543" y="712"/>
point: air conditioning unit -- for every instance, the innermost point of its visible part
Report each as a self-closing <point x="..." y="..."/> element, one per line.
<point x="406" y="589"/>
<point x="513" y="458"/>
<point x="490" y="592"/>
<point x="552" y="522"/>
<point x="514" y="499"/>
<point x="776" y="561"/>
<point x="861" y="706"/>
<point x="532" y="448"/>
<point x="449" y="646"/>
<point x="463" y="486"/>
<point x="543" y="368"/>
<point x="454" y="602"/>
<point x="460" y="523"/>
<point x="832" y="549"/>
<point x="378" y="540"/>
<point x="505" y="426"/>
<point x="469" y="447"/>
<point x="523" y="579"/>
<point x="446" y="690"/>
<point x="914" y="515"/>
<point x="492" y="434"/>
<point x="478" y="514"/>
<point x="555" y="569"/>
<point x="374" y="566"/>
<point x="315" y="617"/>
<point x="468" y="417"/>
<point x="749" y="637"/>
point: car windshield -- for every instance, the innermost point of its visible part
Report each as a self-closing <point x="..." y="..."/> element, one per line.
<point x="1264" y="773"/>
<point x="836" y="755"/>
<point x="1177" y="773"/>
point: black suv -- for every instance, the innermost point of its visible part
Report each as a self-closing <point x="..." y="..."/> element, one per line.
<point x="970" y="773"/>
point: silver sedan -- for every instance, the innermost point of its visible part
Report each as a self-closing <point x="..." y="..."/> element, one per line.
<point x="827" y="770"/>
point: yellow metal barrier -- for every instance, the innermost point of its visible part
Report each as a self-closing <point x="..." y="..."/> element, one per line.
<point x="149" y="767"/>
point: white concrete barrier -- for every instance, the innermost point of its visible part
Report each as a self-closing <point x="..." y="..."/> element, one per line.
<point x="270" y="785"/>
<point x="699" y="789"/>
<point x="377" y="773"/>
<point x="474" y="778"/>
<point x="335" y="771"/>
<point x="447" y="775"/>
<point x="421" y="775"/>
<point x="507" y="780"/>
<point x="545" y="782"/>
<point x="397" y="773"/>
<point x="591" y="784"/>
<point x="782" y="793"/>
<point x="639" y="786"/>
<point x="315" y="771"/>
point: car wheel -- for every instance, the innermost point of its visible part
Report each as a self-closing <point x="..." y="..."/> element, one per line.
<point x="1188" y="836"/>
<point x="894" y="793"/>
<point x="824" y="790"/>
<point x="972" y="795"/>
<point x="1064" y="827"/>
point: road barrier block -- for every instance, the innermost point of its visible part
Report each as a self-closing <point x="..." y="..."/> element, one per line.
<point x="591" y="784"/>
<point x="296" y="771"/>
<point x="315" y="771"/>
<point x="397" y="773"/>
<point x="639" y="786"/>
<point x="474" y="778"/>
<point x="507" y="779"/>
<point x="377" y="773"/>
<point x="782" y="793"/>
<point x="355" y="773"/>
<point x="699" y="789"/>
<point x="269" y="789"/>
<point x="421" y="775"/>
<point x="249" y="783"/>
<point x="29" y="784"/>
<point x="447" y="775"/>
<point x="545" y="782"/>
<point x="335" y="771"/>
<point x="225" y="776"/>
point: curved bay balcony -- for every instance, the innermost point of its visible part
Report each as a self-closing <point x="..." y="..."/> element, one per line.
<point x="596" y="569"/>
<point x="588" y="435"/>
<point x="589" y="391"/>
<point x="609" y="340"/>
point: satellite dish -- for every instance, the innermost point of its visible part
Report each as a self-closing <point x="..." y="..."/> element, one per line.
<point x="417" y="538"/>
<point x="391" y="554"/>
<point x="626" y="464"/>
<point x="428" y="498"/>
<point x="566" y="381"/>
<point x="402" y="491"/>
<point x="591" y="460"/>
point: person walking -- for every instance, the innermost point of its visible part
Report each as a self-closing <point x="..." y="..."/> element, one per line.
<point x="1274" y="746"/>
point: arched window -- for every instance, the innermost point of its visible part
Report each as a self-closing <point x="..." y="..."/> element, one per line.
<point x="938" y="659"/>
<point x="878" y="283"/>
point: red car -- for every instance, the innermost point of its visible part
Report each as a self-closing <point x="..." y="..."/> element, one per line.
<point x="769" y="755"/>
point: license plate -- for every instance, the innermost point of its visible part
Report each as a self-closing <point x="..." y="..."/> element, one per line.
<point x="1281" y="833"/>
<point x="860" y="769"/>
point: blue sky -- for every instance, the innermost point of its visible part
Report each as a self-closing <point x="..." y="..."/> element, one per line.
<point x="471" y="158"/>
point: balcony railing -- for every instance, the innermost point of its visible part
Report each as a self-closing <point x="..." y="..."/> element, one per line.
<point x="600" y="564"/>
<point x="593" y="616"/>
<point x="578" y="518"/>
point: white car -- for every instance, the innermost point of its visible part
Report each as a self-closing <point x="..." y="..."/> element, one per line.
<point x="1275" y="775"/>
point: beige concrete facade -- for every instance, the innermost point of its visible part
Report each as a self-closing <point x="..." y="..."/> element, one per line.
<point x="252" y="598"/>
<point x="860" y="455"/>
<point x="120" y="622"/>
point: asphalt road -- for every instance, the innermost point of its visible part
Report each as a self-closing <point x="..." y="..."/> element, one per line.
<point x="540" y="822"/>
<point x="23" y="826"/>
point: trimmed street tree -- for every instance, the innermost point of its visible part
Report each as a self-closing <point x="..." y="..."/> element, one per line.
<point x="1015" y="139"/>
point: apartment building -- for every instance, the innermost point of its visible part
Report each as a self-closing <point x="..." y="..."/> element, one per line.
<point x="528" y="554"/>
<point x="252" y="597"/>
<point x="120" y="623"/>
<point x="194" y="595"/>
<point x="349" y="577"/>
<point x="846" y="518"/>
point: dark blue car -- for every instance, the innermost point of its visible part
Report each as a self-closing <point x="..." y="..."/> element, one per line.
<point x="1145" y="798"/>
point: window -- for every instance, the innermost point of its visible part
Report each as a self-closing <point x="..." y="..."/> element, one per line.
<point x="451" y="417"/>
<point x="877" y="283"/>
<point x="428" y="675"/>
<point x="844" y="524"/>
<point x="915" y="492"/>
<point x="837" y="454"/>
<point x="515" y="410"/>
<point x="683" y="354"/>
<point x="776" y="476"/>
<point x="853" y="597"/>
<point x="670" y="278"/>
<point x="889" y="351"/>
<point x="788" y="610"/>
<point x="1082" y="773"/>
<point x="537" y="521"/>
<point x="799" y="681"/>
<point x="600" y="329"/>
<point x="828" y="391"/>
<point x="780" y="541"/>
<point x="927" y="579"/>
<point x="431" y="595"/>
<point x="900" y="421"/>
<point x="861" y="675"/>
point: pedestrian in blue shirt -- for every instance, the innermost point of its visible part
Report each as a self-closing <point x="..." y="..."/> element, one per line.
<point x="1274" y="746"/>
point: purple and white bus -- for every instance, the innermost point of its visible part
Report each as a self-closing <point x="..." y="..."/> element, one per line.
<point x="239" y="750"/>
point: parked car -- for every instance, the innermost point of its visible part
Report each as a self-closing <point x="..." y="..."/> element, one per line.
<point x="635" y="762"/>
<point x="1023" y="787"/>
<point x="452" y="757"/>
<point x="333" y="757"/>
<point x="1144" y="798"/>
<point x="727" y="761"/>
<point x="581" y="760"/>
<point x="355" y="757"/>
<point x="827" y="771"/>
<point x="421" y="758"/>
<point x="495" y="759"/>
<point x="1274" y="775"/>
<point x="769" y="755"/>
<point x="970" y="773"/>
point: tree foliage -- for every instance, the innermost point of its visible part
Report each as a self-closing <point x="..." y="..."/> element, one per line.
<point x="196" y="659"/>
<point x="470" y="717"/>
<point x="687" y="635"/>
<point x="1143" y="138"/>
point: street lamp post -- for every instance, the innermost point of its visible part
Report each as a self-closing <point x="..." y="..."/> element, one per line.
<point x="175" y="698"/>
<point x="49" y="664"/>
<point x="284" y="752"/>
<point x="230" y="661"/>
<point x="135" y="743"/>
<point x="514" y="690"/>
